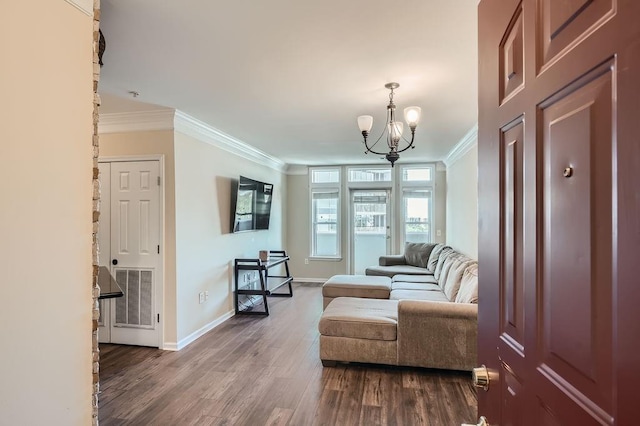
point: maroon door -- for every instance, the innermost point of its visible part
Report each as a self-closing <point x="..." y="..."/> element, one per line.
<point x="559" y="191"/>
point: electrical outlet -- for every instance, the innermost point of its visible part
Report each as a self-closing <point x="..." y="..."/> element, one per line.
<point x="206" y="295"/>
<point x="201" y="297"/>
<point x="306" y="261"/>
<point x="438" y="233"/>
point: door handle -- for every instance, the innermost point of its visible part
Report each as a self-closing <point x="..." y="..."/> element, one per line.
<point x="481" y="422"/>
<point x="114" y="262"/>
<point x="480" y="377"/>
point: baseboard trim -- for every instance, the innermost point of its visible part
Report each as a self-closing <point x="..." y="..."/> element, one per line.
<point x="310" y="280"/>
<point x="172" y="346"/>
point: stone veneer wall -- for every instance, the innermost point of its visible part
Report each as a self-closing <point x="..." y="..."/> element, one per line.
<point x="96" y="213"/>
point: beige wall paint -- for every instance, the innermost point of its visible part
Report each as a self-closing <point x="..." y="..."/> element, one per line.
<point x="155" y="143"/>
<point x="46" y="213"/>
<point x="462" y="204"/>
<point x="299" y="234"/>
<point x="440" y="218"/>
<point x="205" y="248"/>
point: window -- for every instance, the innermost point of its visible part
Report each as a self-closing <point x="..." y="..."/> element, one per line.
<point x="325" y="212"/>
<point x="369" y="174"/>
<point x="325" y="238"/>
<point x="417" y="206"/>
<point x="416" y="174"/>
<point x="417" y="186"/>
<point x="325" y="175"/>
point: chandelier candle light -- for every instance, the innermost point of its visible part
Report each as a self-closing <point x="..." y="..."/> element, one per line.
<point x="393" y="129"/>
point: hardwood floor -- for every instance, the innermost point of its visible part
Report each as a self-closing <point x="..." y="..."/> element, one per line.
<point x="266" y="371"/>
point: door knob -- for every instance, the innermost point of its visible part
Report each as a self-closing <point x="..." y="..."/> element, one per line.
<point x="481" y="422"/>
<point x="114" y="261"/>
<point x="480" y="377"/>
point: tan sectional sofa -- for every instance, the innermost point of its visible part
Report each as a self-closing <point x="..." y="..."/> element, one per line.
<point x="421" y="320"/>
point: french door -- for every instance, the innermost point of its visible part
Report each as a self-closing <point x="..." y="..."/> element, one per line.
<point x="129" y="241"/>
<point x="370" y="227"/>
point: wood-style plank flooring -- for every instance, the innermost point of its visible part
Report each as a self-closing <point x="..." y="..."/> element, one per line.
<point x="265" y="371"/>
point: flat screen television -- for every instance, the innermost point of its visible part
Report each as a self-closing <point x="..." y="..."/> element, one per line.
<point x="252" y="209"/>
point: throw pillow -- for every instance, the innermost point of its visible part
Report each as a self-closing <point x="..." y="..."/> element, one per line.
<point x="417" y="254"/>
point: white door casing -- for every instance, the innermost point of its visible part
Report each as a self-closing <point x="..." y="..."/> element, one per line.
<point x="133" y="239"/>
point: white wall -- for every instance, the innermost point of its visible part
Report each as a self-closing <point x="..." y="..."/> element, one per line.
<point x="158" y="142"/>
<point x="46" y="82"/>
<point x="205" y="247"/>
<point x="462" y="203"/>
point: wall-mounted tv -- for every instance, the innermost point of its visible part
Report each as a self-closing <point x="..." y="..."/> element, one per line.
<point x="253" y="205"/>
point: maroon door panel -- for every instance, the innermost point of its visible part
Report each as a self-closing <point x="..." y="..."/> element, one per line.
<point x="563" y="24"/>
<point x="575" y="316"/>
<point x="559" y="208"/>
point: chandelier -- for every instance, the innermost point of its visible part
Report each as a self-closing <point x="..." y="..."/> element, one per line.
<point x="393" y="128"/>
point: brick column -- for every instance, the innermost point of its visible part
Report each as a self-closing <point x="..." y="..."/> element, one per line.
<point x="96" y="214"/>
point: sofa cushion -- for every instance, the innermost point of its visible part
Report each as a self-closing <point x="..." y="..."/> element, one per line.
<point x="468" y="292"/>
<point x="390" y="271"/>
<point x="433" y="257"/>
<point x="417" y="254"/>
<point x="424" y="279"/>
<point x="403" y="285"/>
<point x="444" y="254"/>
<point x="447" y="261"/>
<point x="357" y="286"/>
<point x="451" y="284"/>
<point x="357" y="318"/>
<point x="434" y="296"/>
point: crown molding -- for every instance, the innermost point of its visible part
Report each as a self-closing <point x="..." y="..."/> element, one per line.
<point x="138" y="121"/>
<point x="86" y="6"/>
<point x="465" y="144"/>
<point x="178" y="121"/>
<point x="200" y="130"/>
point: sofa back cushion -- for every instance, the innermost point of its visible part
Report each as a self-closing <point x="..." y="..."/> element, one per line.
<point x="451" y="284"/>
<point x="433" y="257"/>
<point x="468" y="292"/>
<point x="417" y="254"/>
<point x="444" y="254"/>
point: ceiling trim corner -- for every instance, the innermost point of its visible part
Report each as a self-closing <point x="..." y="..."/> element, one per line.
<point x="138" y="121"/>
<point x="85" y="6"/>
<point x="201" y="131"/>
<point x="465" y="144"/>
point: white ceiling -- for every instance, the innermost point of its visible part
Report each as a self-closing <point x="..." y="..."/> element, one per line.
<point x="289" y="77"/>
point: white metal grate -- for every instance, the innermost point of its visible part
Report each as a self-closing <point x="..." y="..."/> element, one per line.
<point x="135" y="308"/>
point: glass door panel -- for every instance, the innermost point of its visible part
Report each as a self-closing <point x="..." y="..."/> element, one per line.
<point x="370" y="228"/>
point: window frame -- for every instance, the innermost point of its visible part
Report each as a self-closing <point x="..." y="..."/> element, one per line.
<point x="325" y="187"/>
<point x="405" y="186"/>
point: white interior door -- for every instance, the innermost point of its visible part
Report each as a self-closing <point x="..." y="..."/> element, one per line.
<point x="370" y="227"/>
<point x="134" y="240"/>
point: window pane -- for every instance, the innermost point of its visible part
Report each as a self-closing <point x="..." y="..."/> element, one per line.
<point x="325" y="176"/>
<point x="370" y="212"/>
<point x="417" y="216"/>
<point x="416" y="174"/>
<point x="325" y="224"/>
<point x="369" y="175"/>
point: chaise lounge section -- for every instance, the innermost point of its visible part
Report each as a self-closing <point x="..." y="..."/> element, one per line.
<point x="427" y="320"/>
